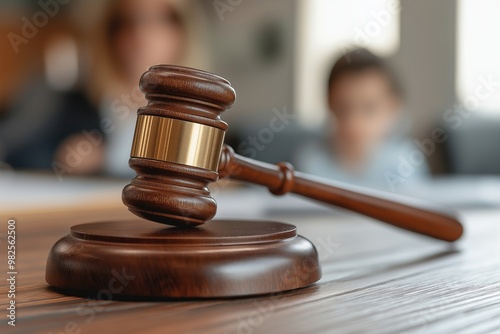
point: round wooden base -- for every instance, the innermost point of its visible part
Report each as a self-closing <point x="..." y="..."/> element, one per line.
<point x="217" y="259"/>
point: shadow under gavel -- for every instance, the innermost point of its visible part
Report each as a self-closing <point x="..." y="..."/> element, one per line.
<point x="178" y="150"/>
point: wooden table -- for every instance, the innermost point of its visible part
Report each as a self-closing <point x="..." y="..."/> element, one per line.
<point x="376" y="279"/>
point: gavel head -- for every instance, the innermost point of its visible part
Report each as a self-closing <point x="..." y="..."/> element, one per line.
<point x="177" y="145"/>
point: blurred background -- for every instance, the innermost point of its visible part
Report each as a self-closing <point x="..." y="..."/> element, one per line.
<point x="396" y="94"/>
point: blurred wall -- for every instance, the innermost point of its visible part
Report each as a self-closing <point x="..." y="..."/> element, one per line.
<point x="426" y="59"/>
<point x="15" y="67"/>
<point x="427" y="62"/>
<point x="254" y="49"/>
<point x="21" y="63"/>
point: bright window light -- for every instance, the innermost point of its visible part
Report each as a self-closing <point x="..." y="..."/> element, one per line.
<point x="478" y="55"/>
<point x="329" y="27"/>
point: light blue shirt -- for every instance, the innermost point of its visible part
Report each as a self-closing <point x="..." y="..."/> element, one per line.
<point x="395" y="165"/>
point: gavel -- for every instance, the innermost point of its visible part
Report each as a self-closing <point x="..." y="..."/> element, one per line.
<point x="178" y="150"/>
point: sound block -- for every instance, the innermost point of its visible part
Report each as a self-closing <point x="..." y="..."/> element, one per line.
<point x="218" y="259"/>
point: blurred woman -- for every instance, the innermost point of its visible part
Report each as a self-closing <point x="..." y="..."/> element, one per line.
<point x="367" y="143"/>
<point x="91" y="130"/>
<point x="134" y="35"/>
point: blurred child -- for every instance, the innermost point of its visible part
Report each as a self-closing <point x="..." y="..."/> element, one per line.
<point x="366" y="123"/>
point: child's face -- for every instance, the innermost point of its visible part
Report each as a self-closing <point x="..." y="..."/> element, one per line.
<point x="364" y="107"/>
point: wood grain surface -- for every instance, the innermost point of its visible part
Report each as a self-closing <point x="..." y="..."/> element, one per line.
<point x="376" y="279"/>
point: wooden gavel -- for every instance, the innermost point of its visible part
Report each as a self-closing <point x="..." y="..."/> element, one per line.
<point x="178" y="150"/>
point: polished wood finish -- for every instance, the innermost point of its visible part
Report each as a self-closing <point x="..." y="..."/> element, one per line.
<point x="170" y="193"/>
<point x="178" y="195"/>
<point x="219" y="259"/>
<point x="166" y="192"/>
<point x="376" y="279"/>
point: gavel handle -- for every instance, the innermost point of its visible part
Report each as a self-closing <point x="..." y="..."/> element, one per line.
<point x="409" y="214"/>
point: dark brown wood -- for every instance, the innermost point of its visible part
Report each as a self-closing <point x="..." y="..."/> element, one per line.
<point x="170" y="193"/>
<point x="219" y="259"/>
<point x="178" y="195"/>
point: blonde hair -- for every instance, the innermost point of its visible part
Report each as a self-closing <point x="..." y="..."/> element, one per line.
<point x="104" y="74"/>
